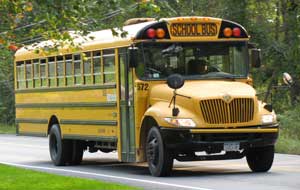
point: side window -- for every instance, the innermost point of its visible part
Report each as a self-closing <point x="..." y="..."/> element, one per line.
<point x="97" y="67"/>
<point x="29" y="83"/>
<point x="69" y="70"/>
<point x="43" y="65"/>
<point x="20" y="75"/>
<point x="36" y="73"/>
<point x="109" y="66"/>
<point x="77" y="69"/>
<point x="87" y="68"/>
<point x="60" y="70"/>
<point x="51" y="71"/>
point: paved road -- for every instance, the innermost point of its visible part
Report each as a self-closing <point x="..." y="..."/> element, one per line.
<point x="32" y="152"/>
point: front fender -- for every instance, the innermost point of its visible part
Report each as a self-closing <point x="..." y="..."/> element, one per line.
<point x="160" y="110"/>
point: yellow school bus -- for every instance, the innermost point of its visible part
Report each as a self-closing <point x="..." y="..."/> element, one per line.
<point x="175" y="88"/>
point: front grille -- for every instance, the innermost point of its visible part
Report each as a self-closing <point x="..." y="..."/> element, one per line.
<point x="217" y="111"/>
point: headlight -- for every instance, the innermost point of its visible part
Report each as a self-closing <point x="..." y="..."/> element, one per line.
<point x="181" y="122"/>
<point x="267" y="119"/>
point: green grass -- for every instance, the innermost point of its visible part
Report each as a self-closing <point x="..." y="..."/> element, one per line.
<point x="13" y="178"/>
<point x="7" y="129"/>
<point x="289" y="134"/>
<point x="287" y="145"/>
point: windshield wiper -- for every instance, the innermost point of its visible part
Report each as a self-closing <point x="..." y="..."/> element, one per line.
<point x="212" y="75"/>
<point x="229" y="77"/>
<point x="171" y="50"/>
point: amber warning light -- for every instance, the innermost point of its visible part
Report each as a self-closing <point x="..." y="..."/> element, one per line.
<point x="235" y="32"/>
<point x="158" y="33"/>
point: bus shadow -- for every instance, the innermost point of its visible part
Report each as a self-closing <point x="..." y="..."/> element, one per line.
<point x="181" y="172"/>
<point x="141" y="169"/>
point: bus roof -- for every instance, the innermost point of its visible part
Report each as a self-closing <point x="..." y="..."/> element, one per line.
<point x="176" y="29"/>
<point x="94" y="40"/>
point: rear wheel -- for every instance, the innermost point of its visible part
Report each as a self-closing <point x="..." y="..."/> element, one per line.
<point x="77" y="152"/>
<point x="260" y="159"/>
<point x="60" y="149"/>
<point x="159" y="159"/>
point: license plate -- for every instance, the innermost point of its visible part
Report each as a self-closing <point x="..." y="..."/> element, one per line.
<point x="231" y="146"/>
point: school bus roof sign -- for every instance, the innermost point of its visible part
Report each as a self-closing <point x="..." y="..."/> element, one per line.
<point x="194" y="28"/>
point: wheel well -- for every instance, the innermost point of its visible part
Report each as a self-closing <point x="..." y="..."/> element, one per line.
<point x="148" y="122"/>
<point x="53" y="120"/>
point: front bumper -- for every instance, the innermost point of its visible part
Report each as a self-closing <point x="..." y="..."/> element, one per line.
<point x="212" y="140"/>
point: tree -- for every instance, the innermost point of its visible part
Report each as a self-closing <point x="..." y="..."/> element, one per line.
<point x="7" y="109"/>
<point x="24" y="22"/>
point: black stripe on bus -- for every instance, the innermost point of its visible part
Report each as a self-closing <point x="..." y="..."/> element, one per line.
<point x="67" y="105"/>
<point x="35" y="134"/>
<point x="30" y="120"/>
<point x="71" y="88"/>
<point x="70" y="122"/>
<point x="89" y="122"/>
<point x="92" y="138"/>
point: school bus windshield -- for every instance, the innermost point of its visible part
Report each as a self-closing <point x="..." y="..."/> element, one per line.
<point x="193" y="60"/>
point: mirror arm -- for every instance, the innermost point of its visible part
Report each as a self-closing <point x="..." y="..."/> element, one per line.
<point x="184" y="96"/>
<point x="175" y="111"/>
<point x="173" y="98"/>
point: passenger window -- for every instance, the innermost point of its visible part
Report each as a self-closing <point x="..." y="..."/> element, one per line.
<point x="60" y="70"/>
<point x="36" y="73"/>
<point x="97" y="67"/>
<point x="77" y="69"/>
<point x="20" y="74"/>
<point x="29" y="74"/>
<point x="43" y="64"/>
<point x="51" y="71"/>
<point x="109" y="66"/>
<point x="69" y="70"/>
<point x="87" y="68"/>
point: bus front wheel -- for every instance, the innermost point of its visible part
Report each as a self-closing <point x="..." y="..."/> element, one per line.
<point x="159" y="158"/>
<point x="60" y="149"/>
<point x="260" y="159"/>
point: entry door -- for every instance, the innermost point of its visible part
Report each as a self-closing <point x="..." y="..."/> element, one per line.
<point x="126" y="108"/>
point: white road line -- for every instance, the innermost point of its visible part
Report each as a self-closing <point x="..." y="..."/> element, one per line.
<point x="104" y="175"/>
<point x="24" y="145"/>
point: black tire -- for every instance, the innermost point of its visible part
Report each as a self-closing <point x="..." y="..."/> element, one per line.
<point x="60" y="149"/>
<point x="160" y="161"/>
<point x="77" y="152"/>
<point x="260" y="159"/>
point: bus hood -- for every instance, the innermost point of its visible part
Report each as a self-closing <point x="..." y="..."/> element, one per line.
<point x="203" y="90"/>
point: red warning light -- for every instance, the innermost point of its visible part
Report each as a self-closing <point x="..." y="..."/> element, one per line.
<point x="236" y="32"/>
<point x="151" y="33"/>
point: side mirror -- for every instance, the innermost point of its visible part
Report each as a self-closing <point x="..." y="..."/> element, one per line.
<point x="287" y="79"/>
<point x="255" y="58"/>
<point x="175" y="81"/>
<point x="133" y="57"/>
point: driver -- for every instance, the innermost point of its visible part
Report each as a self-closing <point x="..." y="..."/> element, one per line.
<point x="197" y="66"/>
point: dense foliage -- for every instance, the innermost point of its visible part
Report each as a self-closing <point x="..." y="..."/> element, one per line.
<point x="274" y="26"/>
